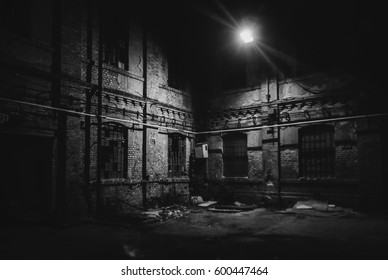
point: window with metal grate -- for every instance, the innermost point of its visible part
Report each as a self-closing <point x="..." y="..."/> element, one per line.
<point x="176" y="155"/>
<point x="235" y="155"/>
<point x="114" y="151"/>
<point x="317" y="151"/>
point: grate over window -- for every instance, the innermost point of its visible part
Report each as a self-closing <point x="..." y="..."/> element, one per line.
<point x="317" y="151"/>
<point x="176" y="155"/>
<point x="114" y="151"/>
<point x="235" y="155"/>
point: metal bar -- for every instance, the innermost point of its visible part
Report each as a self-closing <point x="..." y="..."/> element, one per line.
<point x="89" y="93"/>
<point x="144" y="146"/>
<point x="200" y="132"/>
<point x="99" y="190"/>
<point x="291" y="124"/>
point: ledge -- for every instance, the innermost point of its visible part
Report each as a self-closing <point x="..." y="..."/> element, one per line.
<point x="238" y="90"/>
<point x="321" y="182"/>
<point x="178" y="91"/>
<point x="236" y="180"/>
<point x="122" y="72"/>
<point x="129" y="182"/>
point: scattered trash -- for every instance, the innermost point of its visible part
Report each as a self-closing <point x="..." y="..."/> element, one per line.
<point x="196" y="200"/>
<point x="207" y="203"/>
<point x="240" y="207"/>
<point x="311" y="204"/>
<point x="224" y="210"/>
<point x="238" y="203"/>
<point x="152" y="213"/>
<point x="174" y="211"/>
<point x="303" y="207"/>
<point x="320" y="208"/>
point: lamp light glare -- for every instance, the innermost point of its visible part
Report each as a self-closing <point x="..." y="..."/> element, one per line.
<point x="246" y="36"/>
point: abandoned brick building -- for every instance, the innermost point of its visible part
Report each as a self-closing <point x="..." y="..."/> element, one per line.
<point x="107" y="106"/>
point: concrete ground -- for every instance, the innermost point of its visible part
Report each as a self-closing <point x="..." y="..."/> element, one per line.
<point x="199" y="233"/>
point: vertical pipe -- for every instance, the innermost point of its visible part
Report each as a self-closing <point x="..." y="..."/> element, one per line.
<point x="99" y="190"/>
<point x="279" y="144"/>
<point x="62" y="117"/>
<point x="89" y="54"/>
<point x="267" y="84"/>
<point x="145" y="94"/>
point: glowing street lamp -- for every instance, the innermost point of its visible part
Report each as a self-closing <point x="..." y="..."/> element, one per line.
<point x="246" y="36"/>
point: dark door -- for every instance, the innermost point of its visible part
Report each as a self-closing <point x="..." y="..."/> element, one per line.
<point x="25" y="176"/>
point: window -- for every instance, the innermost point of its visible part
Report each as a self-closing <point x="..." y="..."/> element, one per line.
<point x="114" y="151"/>
<point x="316" y="151"/>
<point x="115" y="39"/>
<point x="15" y="17"/>
<point x="176" y="155"/>
<point x="175" y="70"/>
<point x="235" y="155"/>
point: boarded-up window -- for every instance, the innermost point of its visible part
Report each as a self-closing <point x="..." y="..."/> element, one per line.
<point x="114" y="151"/>
<point x="235" y="155"/>
<point x="317" y="151"/>
<point x="176" y="155"/>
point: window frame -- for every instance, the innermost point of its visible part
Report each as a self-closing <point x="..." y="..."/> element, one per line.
<point x="235" y="155"/>
<point x="119" y="156"/>
<point x="176" y="155"/>
<point x="115" y="40"/>
<point x="316" y="152"/>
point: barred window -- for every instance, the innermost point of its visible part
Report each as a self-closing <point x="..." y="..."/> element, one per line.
<point x="114" y="150"/>
<point x="317" y="151"/>
<point x="235" y="155"/>
<point x="176" y="155"/>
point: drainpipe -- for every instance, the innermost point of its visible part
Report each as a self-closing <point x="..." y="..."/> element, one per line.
<point x="145" y="94"/>
<point x="99" y="190"/>
<point x="62" y="116"/>
<point x="279" y="144"/>
<point x="89" y="93"/>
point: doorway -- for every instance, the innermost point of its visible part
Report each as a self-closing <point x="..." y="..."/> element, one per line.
<point x="25" y="176"/>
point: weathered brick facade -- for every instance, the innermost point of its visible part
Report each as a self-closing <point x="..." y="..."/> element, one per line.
<point x="69" y="41"/>
<point x="307" y="101"/>
<point x="64" y="86"/>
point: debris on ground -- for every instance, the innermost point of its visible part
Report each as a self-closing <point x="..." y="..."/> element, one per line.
<point x="170" y="212"/>
<point x="196" y="200"/>
<point x="152" y="213"/>
<point x="316" y="206"/>
<point x="207" y="203"/>
<point x="223" y="210"/>
<point x="237" y="203"/>
<point x="232" y="208"/>
<point x="312" y="204"/>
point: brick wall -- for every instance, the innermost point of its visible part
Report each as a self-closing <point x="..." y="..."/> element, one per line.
<point x="251" y="106"/>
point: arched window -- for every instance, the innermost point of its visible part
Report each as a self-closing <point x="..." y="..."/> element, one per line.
<point x="317" y="151"/>
<point x="114" y="151"/>
<point x="235" y="155"/>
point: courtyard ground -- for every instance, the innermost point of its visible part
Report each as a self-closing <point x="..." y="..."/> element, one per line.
<point x="203" y="233"/>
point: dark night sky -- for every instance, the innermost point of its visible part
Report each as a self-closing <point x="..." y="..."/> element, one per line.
<point x="323" y="35"/>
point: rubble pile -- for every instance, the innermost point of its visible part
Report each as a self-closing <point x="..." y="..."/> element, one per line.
<point x="170" y="212"/>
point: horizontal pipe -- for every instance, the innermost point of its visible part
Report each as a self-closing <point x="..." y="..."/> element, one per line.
<point x="199" y="132"/>
<point x="291" y="124"/>
<point x="95" y="116"/>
